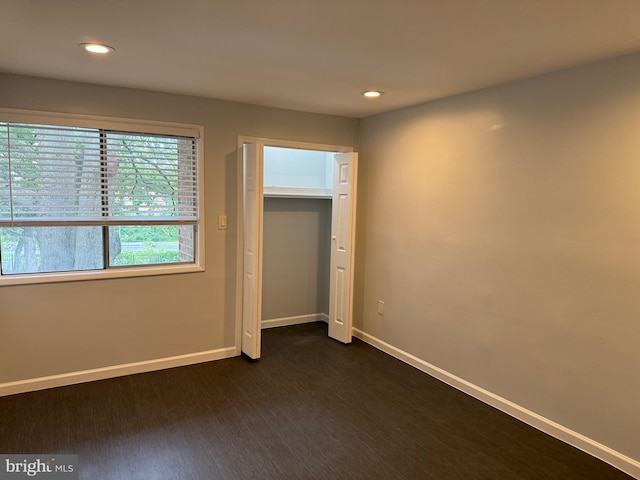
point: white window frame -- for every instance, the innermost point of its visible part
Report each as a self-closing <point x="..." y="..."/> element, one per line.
<point x="122" y="124"/>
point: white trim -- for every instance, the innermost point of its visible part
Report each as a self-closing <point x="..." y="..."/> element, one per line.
<point x="113" y="272"/>
<point x="41" y="383"/>
<point x="200" y="229"/>
<point x="274" y="142"/>
<point x="297" y="320"/>
<point x="586" y="444"/>
<point x="96" y="121"/>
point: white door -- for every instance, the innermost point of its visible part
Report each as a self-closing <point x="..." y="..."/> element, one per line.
<point x="343" y="217"/>
<point x="252" y="250"/>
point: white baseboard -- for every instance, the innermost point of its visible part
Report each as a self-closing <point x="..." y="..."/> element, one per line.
<point x="41" y="383"/>
<point x="612" y="457"/>
<point x="286" y="321"/>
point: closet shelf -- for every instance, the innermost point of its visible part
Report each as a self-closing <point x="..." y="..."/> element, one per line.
<point x="291" y="192"/>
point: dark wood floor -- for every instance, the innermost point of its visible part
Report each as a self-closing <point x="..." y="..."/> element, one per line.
<point x="311" y="408"/>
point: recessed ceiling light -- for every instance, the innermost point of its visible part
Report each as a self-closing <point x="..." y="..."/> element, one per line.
<point x="97" y="48"/>
<point x="372" y="93"/>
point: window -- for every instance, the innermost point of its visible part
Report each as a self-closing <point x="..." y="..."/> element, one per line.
<point x="82" y="195"/>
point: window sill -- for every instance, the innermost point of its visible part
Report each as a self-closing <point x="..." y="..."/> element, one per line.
<point x="126" y="272"/>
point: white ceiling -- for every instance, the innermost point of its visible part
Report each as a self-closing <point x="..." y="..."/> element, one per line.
<point x="316" y="56"/>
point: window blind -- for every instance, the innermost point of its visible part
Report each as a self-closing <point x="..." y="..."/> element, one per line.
<point x="52" y="175"/>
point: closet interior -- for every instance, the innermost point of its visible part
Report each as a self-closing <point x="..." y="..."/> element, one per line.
<point x="298" y="188"/>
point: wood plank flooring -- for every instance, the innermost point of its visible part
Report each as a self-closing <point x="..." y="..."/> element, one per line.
<point x="311" y="408"/>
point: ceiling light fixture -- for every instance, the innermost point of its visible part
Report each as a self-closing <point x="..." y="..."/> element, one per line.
<point x="97" y="48"/>
<point x="372" y="93"/>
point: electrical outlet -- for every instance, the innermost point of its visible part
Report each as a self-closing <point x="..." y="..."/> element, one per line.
<point x="380" y="307"/>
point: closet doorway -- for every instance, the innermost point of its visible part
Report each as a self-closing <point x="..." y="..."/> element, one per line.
<point x="280" y="180"/>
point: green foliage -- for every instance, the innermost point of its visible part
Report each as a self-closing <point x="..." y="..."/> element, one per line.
<point x="9" y="237"/>
<point x="141" y="245"/>
<point x="156" y="233"/>
<point x="147" y="257"/>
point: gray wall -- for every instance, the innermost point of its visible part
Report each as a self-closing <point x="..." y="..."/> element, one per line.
<point x="57" y="328"/>
<point x="502" y="230"/>
<point x="296" y="256"/>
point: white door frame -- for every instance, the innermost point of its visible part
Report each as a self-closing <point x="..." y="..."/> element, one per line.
<point x="261" y="142"/>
